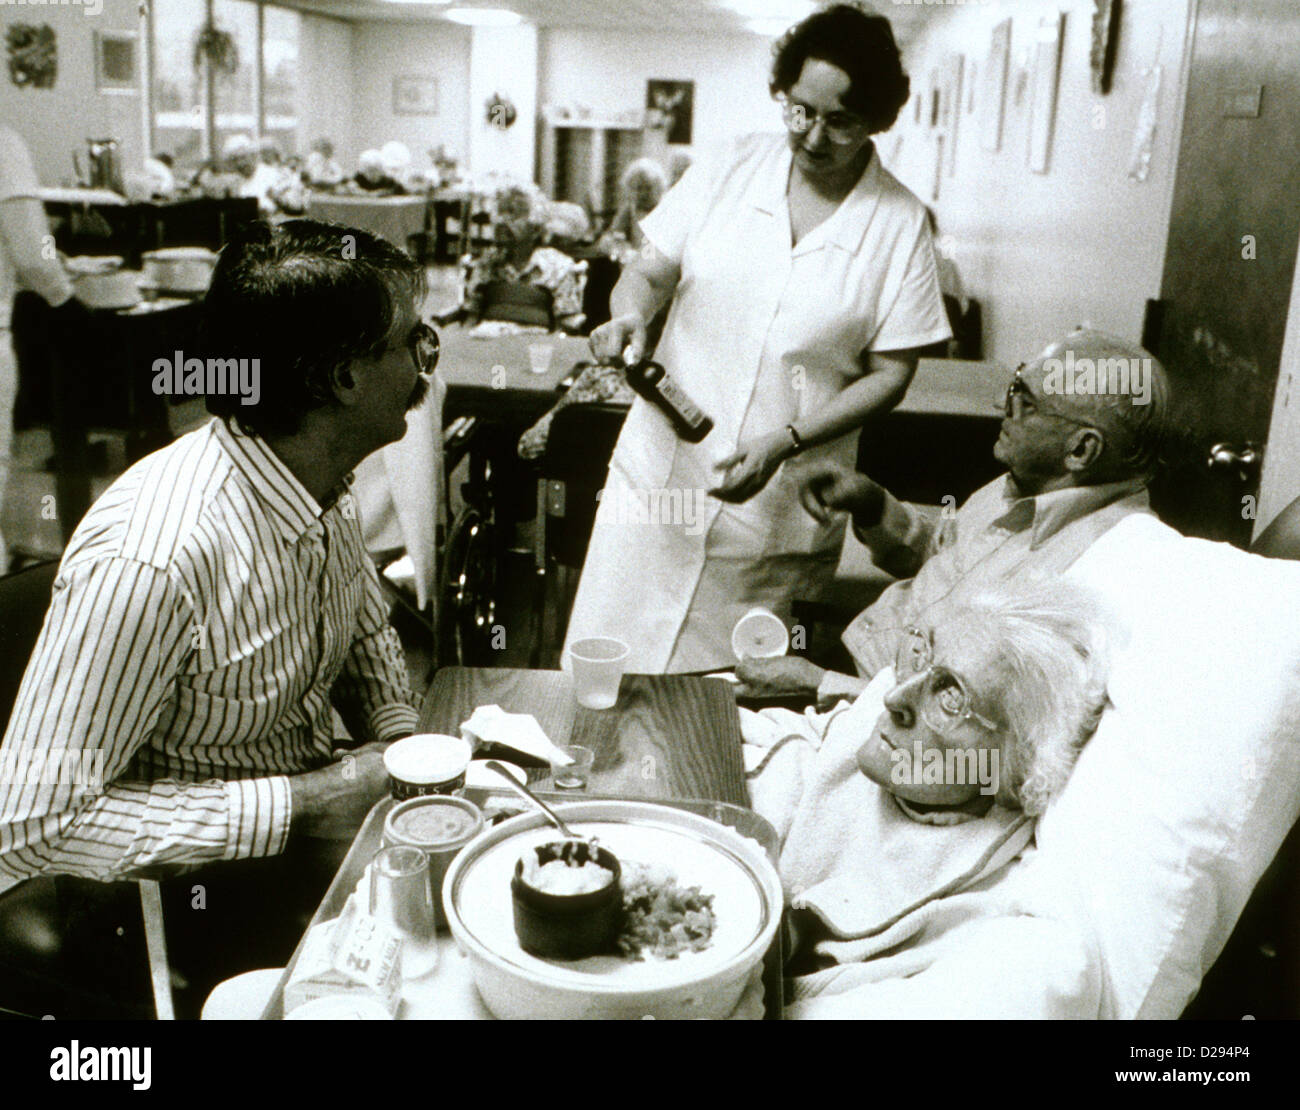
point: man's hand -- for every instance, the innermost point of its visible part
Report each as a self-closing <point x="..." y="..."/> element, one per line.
<point x="331" y="803"/>
<point x="779" y="677"/>
<point x="828" y="486"/>
<point x="622" y="339"/>
<point x="751" y="467"/>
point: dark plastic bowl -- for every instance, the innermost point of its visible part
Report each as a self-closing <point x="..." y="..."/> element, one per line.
<point x="568" y="926"/>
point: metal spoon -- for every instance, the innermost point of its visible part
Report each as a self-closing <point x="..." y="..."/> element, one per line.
<point x="520" y="788"/>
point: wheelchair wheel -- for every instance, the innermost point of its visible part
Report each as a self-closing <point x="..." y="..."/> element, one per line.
<point x="468" y="590"/>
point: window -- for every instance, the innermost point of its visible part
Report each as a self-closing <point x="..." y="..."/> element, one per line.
<point x="254" y="94"/>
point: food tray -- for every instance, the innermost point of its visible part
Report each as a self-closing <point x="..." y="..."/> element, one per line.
<point x="368" y="839"/>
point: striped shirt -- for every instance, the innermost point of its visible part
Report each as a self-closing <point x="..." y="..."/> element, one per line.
<point x="206" y="615"/>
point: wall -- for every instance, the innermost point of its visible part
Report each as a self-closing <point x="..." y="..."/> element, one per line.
<point x="381" y="51"/>
<point x="325" y="91"/>
<point x="608" y="70"/>
<point x="1082" y="243"/>
<point x="503" y="60"/>
<point x="55" y="122"/>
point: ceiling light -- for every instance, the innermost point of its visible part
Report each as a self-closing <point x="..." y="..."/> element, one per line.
<point x="770" y="28"/>
<point x="484" y="17"/>
<point x="420" y="2"/>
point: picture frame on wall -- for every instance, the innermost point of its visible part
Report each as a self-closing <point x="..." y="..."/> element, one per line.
<point x="117" y="62"/>
<point x="1045" y="69"/>
<point x="670" y="109"/>
<point x="415" y="95"/>
<point x="994" y="95"/>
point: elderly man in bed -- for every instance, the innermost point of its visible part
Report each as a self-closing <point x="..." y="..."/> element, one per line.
<point x="1081" y="437"/>
<point x="928" y="785"/>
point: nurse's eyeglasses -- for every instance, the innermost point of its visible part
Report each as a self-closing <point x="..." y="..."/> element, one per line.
<point x="944" y="700"/>
<point x="841" y="128"/>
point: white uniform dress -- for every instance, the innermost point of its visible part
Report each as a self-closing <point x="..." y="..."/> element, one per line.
<point x="760" y="334"/>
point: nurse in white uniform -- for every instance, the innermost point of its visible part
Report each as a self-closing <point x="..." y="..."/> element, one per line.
<point x="802" y="278"/>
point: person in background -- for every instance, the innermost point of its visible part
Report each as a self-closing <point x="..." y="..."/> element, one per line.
<point x="519" y="254"/>
<point x="678" y="164"/>
<point x="162" y="178"/>
<point x="1076" y="464"/>
<point x="640" y="189"/>
<point x="801" y="282"/>
<point x="321" y="170"/>
<point x="371" y="177"/>
<point x="28" y="260"/>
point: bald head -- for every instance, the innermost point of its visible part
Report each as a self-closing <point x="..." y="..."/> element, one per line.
<point x="1116" y="385"/>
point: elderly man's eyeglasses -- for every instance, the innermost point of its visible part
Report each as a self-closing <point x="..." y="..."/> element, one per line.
<point x="425" y="347"/>
<point x="944" y="699"/>
<point x="1021" y="400"/>
<point x="841" y="128"/>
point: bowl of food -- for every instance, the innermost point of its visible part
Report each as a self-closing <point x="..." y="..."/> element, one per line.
<point x="567" y="900"/>
<point x="700" y="908"/>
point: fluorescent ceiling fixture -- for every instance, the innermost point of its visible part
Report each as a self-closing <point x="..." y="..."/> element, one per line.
<point x="789" y="11"/>
<point x="484" y="17"/>
<point x="417" y="1"/>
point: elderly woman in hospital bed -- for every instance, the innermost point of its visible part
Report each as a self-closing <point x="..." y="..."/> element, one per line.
<point x="929" y="783"/>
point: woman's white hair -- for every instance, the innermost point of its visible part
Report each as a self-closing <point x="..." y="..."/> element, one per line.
<point x="1050" y="644"/>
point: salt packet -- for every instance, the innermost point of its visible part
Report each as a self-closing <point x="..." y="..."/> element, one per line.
<point x="353" y="955"/>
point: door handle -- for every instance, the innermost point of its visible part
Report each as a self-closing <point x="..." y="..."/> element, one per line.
<point x="1244" y="459"/>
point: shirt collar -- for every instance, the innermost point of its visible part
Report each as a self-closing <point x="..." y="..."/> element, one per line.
<point x="287" y="502"/>
<point x="1054" y="510"/>
<point x="847" y="226"/>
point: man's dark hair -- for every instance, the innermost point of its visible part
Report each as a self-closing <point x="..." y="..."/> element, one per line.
<point x="304" y="298"/>
<point x="862" y="45"/>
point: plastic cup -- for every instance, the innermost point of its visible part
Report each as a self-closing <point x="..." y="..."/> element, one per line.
<point x="539" y="357"/>
<point x="760" y="634"/>
<point x="574" y="771"/>
<point x="597" y="666"/>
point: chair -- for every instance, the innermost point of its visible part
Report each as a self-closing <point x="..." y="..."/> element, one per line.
<point x="578" y="449"/>
<point x="518" y="302"/>
<point x="32" y="911"/>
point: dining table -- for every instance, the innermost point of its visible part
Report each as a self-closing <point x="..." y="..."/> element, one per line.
<point x="672" y="739"/>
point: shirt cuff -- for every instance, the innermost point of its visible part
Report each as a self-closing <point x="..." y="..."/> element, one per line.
<point x="835" y="686"/>
<point x="899" y="527"/>
<point x="258" y="817"/>
<point x="388" y="722"/>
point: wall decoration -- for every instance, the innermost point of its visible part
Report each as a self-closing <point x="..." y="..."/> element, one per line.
<point x="33" y="55"/>
<point x="670" y="108"/>
<point x="972" y="83"/>
<point x="1144" y="133"/>
<point x="115" y="62"/>
<point x="501" y="112"/>
<point x="1105" y="33"/>
<point x="415" y="95"/>
<point x="994" y="94"/>
<point x="1046" y="67"/>
<point x="953" y="68"/>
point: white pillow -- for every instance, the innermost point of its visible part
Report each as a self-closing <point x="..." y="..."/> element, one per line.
<point x="1183" y="796"/>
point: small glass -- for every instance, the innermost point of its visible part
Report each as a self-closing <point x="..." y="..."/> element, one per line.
<point x="539" y="357"/>
<point x="573" y="775"/>
<point x="400" y="896"/>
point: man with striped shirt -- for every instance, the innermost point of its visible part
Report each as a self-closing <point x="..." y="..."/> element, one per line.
<point x="217" y="602"/>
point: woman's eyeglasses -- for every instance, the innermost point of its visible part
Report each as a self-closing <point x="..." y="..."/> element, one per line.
<point x="425" y="347"/>
<point x="944" y="701"/>
<point x="841" y="128"/>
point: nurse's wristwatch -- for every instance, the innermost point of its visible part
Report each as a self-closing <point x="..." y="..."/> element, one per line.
<point x="796" y="439"/>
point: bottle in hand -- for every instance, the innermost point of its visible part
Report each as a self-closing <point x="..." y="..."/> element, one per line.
<point x="657" y="386"/>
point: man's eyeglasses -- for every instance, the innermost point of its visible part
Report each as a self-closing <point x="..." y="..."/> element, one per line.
<point x="944" y="701"/>
<point x="841" y="128"/>
<point x="425" y="347"/>
<point x="1020" y="399"/>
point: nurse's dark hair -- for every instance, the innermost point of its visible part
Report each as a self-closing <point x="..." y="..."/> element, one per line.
<point x="860" y="43"/>
<point x="304" y="298"/>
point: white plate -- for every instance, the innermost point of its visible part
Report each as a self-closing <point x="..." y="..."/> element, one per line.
<point x="483" y="897"/>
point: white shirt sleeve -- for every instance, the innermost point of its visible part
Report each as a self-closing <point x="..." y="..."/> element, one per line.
<point x="917" y="316"/>
<point x="682" y="209"/>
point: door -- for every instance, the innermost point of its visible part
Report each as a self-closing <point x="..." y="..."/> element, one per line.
<point x="1231" y="255"/>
